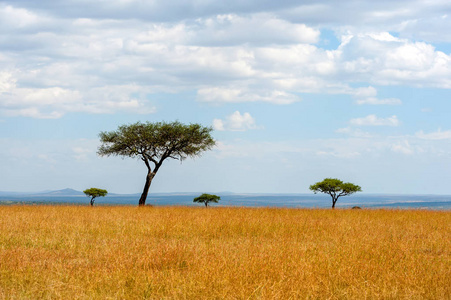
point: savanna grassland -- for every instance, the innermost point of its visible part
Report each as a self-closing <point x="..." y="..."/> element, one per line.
<point x="75" y="252"/>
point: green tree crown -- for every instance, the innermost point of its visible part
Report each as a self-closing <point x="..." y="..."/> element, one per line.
<point x="335" y="188"/>
<point x="207" y="198"/>
<point x="94" y="193"/>
<point x="155" y="141"/>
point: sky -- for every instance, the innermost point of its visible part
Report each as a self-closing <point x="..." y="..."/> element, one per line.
<point x="296" y="91"/>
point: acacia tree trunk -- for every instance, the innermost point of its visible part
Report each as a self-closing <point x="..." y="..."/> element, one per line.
<point x="206" y="204"/>
<point x="92" y="201"/>
<point x="334" y="200"/>
<point x="149" y="177"/>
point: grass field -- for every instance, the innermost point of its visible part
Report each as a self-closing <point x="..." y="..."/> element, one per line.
<point x="74" y="252"/>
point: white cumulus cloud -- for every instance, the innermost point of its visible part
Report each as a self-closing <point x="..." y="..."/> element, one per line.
<point x="403" y="147"/>
<point x="55" y="102"/>
<point x="235" y="122"/>
<point x="258" y="29"/>
<point x="354" y="132"/>
<point x="235" y="95"/>
<point x="373" y="120"/>
<point x="376" y="101"/>
<point x="437" y="135"/>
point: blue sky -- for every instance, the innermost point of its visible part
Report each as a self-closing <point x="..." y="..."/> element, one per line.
<point x="296" y="91"/>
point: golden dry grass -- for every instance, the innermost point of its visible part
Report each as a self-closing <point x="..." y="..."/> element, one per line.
<point x="70" y="252"/>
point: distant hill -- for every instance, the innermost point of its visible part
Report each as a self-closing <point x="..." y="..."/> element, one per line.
<point x="57" y="193"/>
<point x="64" y="192"/>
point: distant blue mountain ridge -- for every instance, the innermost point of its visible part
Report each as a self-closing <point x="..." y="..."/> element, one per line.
<point x="63" y="192"/>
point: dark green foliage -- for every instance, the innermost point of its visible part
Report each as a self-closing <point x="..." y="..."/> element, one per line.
<point x="94" y="193"/>
<point x="155" y="142"/>
<point x="207" y="198"/>
<point x="335" y="188"/>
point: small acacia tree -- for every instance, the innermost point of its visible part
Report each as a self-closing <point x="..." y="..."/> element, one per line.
<point x="335" y="188"/>
<point x="207" y="198"/>
<point x="155" y="142"/>
<point x="94" y="193"/>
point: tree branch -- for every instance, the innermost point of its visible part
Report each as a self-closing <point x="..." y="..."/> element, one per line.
<point x="146" y="161"/>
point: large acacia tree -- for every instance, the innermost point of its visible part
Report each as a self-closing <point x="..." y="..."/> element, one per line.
<point x="155" y="142"/>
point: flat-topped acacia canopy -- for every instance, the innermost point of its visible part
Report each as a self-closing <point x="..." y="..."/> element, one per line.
<point x="94" y="193"/>
<point x="207" y="198"/>
<point x="335" y="188"/>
